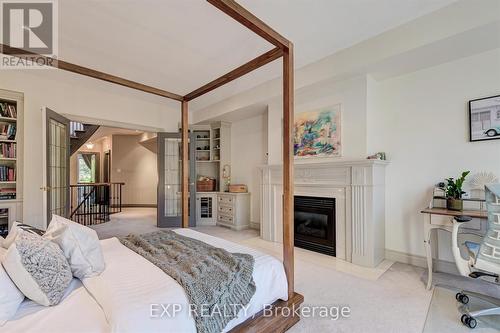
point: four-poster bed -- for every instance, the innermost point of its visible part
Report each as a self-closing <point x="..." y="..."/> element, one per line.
<point x="283" y="49"/>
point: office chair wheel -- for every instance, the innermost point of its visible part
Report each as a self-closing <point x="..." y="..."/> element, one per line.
<point x="462" y="298"/>
<point x="468" y="321"/>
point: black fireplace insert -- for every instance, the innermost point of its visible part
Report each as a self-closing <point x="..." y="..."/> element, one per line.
<point x="315" y="224"/>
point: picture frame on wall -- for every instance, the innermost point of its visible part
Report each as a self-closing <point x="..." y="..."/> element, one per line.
<point x="484" y="119"/>
<point x="317" y="133"/>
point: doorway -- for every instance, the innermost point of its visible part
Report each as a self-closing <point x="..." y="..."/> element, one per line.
<point x="114" y="176"/>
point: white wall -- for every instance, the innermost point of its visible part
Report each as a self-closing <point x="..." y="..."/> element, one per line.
<point x="77" y="96"/>
<point x="136" y="166"/>
<point x="248" y="152"/>
<point x="421" y="121"/>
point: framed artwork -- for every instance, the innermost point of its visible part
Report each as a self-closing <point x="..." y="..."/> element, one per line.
<point x="484" y="118"/>
<point x="318" y="133"/>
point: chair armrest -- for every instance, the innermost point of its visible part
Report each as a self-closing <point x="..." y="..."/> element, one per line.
<point x="462" y="218"/>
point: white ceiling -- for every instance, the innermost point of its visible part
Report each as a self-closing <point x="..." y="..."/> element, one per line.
<point x="179" y="45"/>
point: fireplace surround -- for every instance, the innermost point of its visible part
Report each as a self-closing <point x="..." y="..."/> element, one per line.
<point x="358" y="187"/>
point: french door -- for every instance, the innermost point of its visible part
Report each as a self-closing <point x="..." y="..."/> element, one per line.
<point x="56" y="189"/>
<point x="170" y="180"/>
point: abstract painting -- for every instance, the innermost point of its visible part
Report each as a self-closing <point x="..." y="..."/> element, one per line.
<point x="317" y="133"/>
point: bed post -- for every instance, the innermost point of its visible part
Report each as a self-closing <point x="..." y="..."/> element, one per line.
<point x="185" y="164"/>
<point x="288" y="206"/>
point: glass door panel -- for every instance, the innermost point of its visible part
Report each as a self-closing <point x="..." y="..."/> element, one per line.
<point x="57" y="164"/>
<point x="170" y="181"/>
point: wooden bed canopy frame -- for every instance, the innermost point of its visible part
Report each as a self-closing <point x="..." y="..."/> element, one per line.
<point x="280" y="321"/>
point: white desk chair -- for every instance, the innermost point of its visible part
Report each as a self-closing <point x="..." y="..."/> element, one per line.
<point x="484" y="254"/>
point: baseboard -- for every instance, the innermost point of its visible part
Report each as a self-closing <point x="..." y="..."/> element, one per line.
<point x="420" y="261"/>
<point x="255" y="225"/>
<point x="139" y="205"/>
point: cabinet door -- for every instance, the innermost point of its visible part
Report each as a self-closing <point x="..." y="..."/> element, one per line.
<point x="206" y="208"/>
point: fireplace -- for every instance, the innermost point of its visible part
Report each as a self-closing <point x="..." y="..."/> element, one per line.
<point x="315" y="224"/>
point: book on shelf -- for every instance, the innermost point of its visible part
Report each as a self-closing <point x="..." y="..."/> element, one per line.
<point x="7" y="194"/>
<point x="7" y="173"/>
<point x="8" y="110"/>
<point x="8" y="150"/>
<point x="7" y="131"/>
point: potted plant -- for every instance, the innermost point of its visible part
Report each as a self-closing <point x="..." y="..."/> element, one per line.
<point x="453" y="190"/>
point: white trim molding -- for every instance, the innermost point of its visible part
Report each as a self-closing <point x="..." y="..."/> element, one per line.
<point x="420" y="261"/>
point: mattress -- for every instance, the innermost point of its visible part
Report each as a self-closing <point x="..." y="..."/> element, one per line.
<point x="132" y="295"/>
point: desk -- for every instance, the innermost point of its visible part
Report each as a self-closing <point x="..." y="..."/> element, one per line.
<point x="446" y="225"/>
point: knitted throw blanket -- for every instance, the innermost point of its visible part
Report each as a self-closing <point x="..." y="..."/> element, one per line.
<point x="218" y="283"/>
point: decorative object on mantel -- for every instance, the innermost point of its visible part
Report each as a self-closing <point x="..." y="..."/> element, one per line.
<point x="238" y="188"/>
<point x="378" y="156"/>
<point x="317" y="133"/>
<point x="484" y="118"/>
<point x="454" y="192"/>
<point x="479" y="180"/>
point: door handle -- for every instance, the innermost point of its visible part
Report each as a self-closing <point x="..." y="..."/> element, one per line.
<point x="45" y="188"/>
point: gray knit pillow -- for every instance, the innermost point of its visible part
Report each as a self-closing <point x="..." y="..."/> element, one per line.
<point x="38" y="267"/>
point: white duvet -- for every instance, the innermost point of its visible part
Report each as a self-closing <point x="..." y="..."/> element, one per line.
<point x="132" y="295"/>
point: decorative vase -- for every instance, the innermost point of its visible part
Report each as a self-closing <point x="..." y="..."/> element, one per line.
<point x="454" y="204"/>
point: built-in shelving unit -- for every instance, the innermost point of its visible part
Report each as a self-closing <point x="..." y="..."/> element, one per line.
<point x="213" y="150"/>
<point x="11" y="153"/>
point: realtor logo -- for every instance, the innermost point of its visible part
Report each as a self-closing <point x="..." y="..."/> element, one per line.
<point x="30" y="28"/>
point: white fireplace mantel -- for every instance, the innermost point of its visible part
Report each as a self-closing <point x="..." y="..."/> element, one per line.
<point x="358" y="187"/>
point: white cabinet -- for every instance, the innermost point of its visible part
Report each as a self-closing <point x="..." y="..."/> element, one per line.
<point x="10" y="212"/>
<point x="233" y="210"/>
<point x="206" y="208"/>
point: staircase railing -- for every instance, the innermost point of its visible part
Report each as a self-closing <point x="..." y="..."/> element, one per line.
<point x="74" y="127"/>
<point x="93" y="203"/>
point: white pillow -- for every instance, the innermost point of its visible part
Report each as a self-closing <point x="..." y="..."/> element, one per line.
<point x="2" y="240"/>
<point x="10" y="296"/>
<point x="38" y="268"/>
<point x="80" y="245"/>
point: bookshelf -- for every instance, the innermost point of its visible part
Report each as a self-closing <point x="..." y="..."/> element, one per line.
<point x="11" y="154"/>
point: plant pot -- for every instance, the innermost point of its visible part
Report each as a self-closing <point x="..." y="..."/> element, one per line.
<point x="454" y="204"/>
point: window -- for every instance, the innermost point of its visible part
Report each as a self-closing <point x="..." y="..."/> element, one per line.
<point x="87" y="167"/>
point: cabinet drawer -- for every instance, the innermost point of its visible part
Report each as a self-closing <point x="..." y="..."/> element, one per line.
<point x="228" y="210"/>
<point x="225" y="218"/>
<point x="226" y="199"/>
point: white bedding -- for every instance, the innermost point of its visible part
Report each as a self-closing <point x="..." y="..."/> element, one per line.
<point x="78" y="312"/>
<point x="128" y="287"/>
